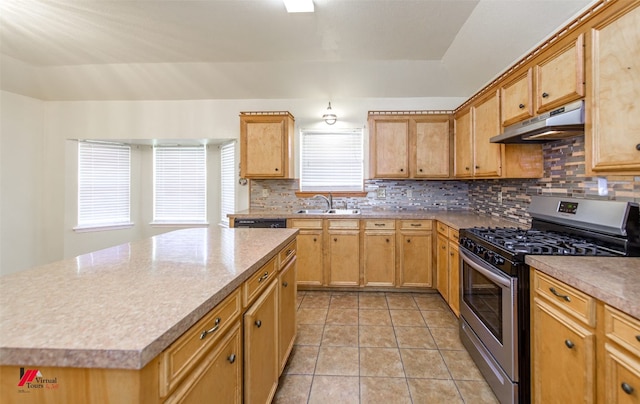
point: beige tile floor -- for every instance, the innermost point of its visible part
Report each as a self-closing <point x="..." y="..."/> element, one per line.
<point x="366" y="347"/>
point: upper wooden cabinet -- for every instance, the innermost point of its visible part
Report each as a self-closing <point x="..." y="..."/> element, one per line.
<point x="487" y="156"/>
<point x="517" y="99"/>
<point x="463" y="145"/>
<point x="560" y="77"/>
<point x="266" y="145"/>
<point x="613" y="143"/>
<point x="409" y="146"/>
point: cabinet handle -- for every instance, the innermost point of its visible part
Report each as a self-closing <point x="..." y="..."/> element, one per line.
<point x="638" y="338"/>
<point x="335" y="239"/>
<point x="444" y="248"/>
<point x="569" y="344"/>
<point x="408" y="240"/>
<point x="416" y="224"/>
<point x="315" y="239"/>
<point x="289" y="252"/>
<point x="521" y="106"/>
<point x="211" y="331"/>
<point x="258" y="323"/>
<point x="232" y="358"/>
<point x="565" y="297"/>
<point x="626" y="388"/>
<point x="477" y="167"/>
<point x="466" y="168"/>
<point x="285" y="284"/>
<point x="263" y="277"/>
<point x="545" y="95"/>
<point x="638" y="146"/>
<point x="451" y="254"/>
<point x="387" y="240"/>
<point x="379" y="224"/>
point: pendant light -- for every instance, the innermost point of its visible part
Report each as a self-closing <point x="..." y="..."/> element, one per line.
<point x="329" y="117"/>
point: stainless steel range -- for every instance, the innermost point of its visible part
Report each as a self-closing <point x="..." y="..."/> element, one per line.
<point x="494" y="303"/>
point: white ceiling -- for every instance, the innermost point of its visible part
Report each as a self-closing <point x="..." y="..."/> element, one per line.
<point x="253" y="49"/>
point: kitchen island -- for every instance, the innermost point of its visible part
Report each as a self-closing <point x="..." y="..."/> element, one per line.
<point x="114" y="311"/>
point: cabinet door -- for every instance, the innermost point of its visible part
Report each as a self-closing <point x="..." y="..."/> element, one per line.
<point x="463" y="152"/>
<point x="390" y="148"/>
<point x="379" y="258"/>
<point x="310" y="258"/>
<point x="614" y="144"/>
<point x="622" y="376"/>
<point x="416" y="256"/>
<point x="263" y="149"/>
<point x="454" y="277"/>
<point x="487" y="156"/>
<point x="442" y="273"/>
<point x="261" y="348"/>
<point x="344" y="258"/>
<point x="560" y="78"/>
<point x="286" y="312"/>
<point x="517" y="99"/>
<point x="563" y="355"/>
<point x="219" y="374"/>
<point x="431" y="148"/>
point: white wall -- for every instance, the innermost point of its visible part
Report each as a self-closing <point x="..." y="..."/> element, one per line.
<point x="46" y="157"/>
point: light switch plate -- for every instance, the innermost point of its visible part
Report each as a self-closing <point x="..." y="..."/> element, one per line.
<point x="381" y="193"/>
<point x="265" y="193"/>
<point x="603" y="188"/>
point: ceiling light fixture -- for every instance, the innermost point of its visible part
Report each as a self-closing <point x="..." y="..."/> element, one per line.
<point x="329" y="117"/>
<point x="299" y="6"/>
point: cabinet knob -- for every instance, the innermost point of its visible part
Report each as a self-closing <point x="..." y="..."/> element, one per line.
<point x="626" y="388"/>
<point x="545" y="95"/>
<point x="232" y="358"/>
<point x="408" y="240"/>
<point x="521" y="106"/>
<point x="315" y="239"/>
<point x="335" y="239"/>
<point x="421" y="168"/>
<point x="285" y="284"/>
<point x="638" y="338"/>
<point x="277" y="169"/>
<point x="569" y="343"/>
<point x="402" y="170"/>
<point x="638" y="146"/>
<point x="466" y="168"/>
<point x="387" y="240"/>
<point x="451" y="254"/>
<point x="258" y="323"/>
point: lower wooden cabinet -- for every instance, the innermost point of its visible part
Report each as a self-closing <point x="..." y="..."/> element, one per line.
<point x="415" y="253"/>
<point x="344" y="252"/>
<point x="379" y="252"/>
<point x="310" y="251"/>
<point x="261" y="367"/>
<point x="448" y="266"/>
<point x="286" y="312"/>
<point x="218" y="376"/>
<point x="442" y="273"/>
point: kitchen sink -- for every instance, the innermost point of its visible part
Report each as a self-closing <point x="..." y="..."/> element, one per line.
<point x="329" y="212"/>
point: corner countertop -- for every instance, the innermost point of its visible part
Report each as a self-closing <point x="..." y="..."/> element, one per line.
<point x="458" y="219"/>
<point x="122" y="306"/>
<point x="614" y="280"/>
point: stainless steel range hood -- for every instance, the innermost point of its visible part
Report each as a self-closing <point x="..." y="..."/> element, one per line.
<point x="561" y="123"/>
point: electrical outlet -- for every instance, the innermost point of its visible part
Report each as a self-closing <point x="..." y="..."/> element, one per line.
<point x="500" y="197"/>
<point x="409" y="193"/>
<point x="382" y="193"/>
<point x="265" y="193"/>
<point x="603" y="188"/>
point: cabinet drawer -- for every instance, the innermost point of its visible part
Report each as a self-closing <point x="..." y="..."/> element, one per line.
<point x="416" y="224"/>
<point x="379" y="224"/>
<point x="253" y="286"/>
<point x="305" y="223"/>
<point x="453" y="234"/>
<point x="287" y="253"/>
<point x="180" y="358"/>
<point x="571" y="300"/>
<point x="443" y="229"/>
<point x="622" y="328"/>
<point x="343" y="224"/>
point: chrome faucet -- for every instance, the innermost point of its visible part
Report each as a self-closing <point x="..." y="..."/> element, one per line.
<point x="329" y="200"/>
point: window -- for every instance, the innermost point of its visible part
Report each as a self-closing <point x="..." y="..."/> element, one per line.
<point x="180" y="184"/>
<point x="227" y="182"/>
<point x="104" y="176"/>
<point x="331" y="161"/>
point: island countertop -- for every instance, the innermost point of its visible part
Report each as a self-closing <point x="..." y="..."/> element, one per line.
<point x="122" y="306"/>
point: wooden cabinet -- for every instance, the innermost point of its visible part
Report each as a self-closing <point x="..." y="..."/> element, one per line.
<point x="379" y="252"/>
<point x="409" y="146"/>
<point x="266" y="145"/>
<point x="310" y="251"/>
<point x="613" y="142"/>
<point x="463" y="145"/>
<point x="487" y="157"/>
<point x="415" y="253"/>
<point x="560" y="77"/>
<point x="621" y="357"/>
<point x="448" y="266"/>
<point x="516" y="98"/>
<point x="286" y="311"/>
<point x="261" y="368"/>
<point x="343" y="252"/>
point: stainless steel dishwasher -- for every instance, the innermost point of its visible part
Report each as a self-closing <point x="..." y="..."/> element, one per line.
<point x="262" y="223"/>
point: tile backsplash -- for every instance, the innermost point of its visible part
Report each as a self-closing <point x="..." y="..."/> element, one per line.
<point x="564" y="175"/>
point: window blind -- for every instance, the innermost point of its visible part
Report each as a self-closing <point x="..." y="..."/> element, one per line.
<point x="104" y="177"/>
<point x="331" y="161"/>
<point x="227" y="182"/>
<point x="180" y="184"/>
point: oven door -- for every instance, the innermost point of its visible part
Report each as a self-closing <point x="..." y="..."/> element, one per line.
<point x="489" y="306"/>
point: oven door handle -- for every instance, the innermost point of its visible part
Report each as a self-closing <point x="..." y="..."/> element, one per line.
<point x="503" y="281"/>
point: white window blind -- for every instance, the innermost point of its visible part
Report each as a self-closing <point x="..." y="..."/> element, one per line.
<point x="227" y="182"/>
<point x="180" y="184"/>
<point x="104" y="176"/>
<point x="331" y="161"/>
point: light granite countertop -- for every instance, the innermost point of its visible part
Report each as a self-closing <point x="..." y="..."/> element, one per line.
<point x="122" y="306"/>
<point x="615" y="281"/>
<point x="458" y="219"/>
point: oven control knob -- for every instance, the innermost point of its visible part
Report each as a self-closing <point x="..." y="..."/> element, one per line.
<point x="479" y="250"/>
<point x="488" y="255"/>
<point x="497" y="260"/>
